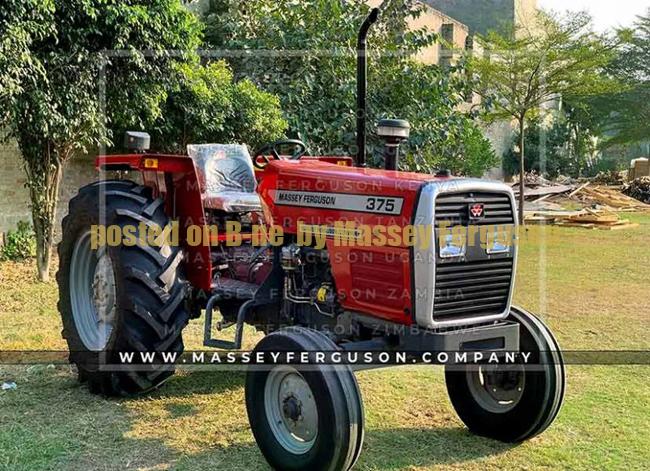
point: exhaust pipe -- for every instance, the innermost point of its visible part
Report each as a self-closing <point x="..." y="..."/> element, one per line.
<point x="362" y="78"/>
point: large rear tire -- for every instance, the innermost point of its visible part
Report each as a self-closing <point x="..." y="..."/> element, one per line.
<point x="305" y="418"/>
<point x="512" y="403"/>
<point x="121" y="298"/>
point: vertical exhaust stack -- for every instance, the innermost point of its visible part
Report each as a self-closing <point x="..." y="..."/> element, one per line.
<point x="393" y="132"/>
<point x="362" y="79"/>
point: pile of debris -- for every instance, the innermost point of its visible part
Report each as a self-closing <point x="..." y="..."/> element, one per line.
<point x="596" y="219"/>
<point x="638" y="189"/>
<point x="581" y="204"/>
<point x="586" y="194"/>
<point x="609" y="196"/>
<point x="587" y="218"/>
<point x="613" y="177"/>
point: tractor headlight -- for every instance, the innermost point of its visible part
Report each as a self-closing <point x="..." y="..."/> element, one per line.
<point x="498" y="242"/>
<point x="453" y="247"/>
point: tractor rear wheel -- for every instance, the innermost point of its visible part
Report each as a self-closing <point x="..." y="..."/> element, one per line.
<point x="117" y="300"/>
<point x="304" y="417"/>
<point x="512" y="403"/>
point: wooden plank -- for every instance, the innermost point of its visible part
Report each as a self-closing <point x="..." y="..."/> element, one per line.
<point x="547" y="190"/>
<point x="596" y="218"/>
<point x="575" y="224"/>
<point x="541" y="199"/>
<point x="617" y="227"/>
<point x="577" y="190"/>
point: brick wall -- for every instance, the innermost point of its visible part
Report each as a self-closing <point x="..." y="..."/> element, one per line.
<point x="14" y="197"/>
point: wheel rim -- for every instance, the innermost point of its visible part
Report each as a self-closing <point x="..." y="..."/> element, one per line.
<point x="92" y="293"/>
<point x="497" y="388"/>
<point x="291" y="410"/>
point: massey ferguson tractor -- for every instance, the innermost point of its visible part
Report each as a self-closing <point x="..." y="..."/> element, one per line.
<point x="451" y="297"/>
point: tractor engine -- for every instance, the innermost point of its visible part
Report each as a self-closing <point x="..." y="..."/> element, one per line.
<point x="309" y="290"/>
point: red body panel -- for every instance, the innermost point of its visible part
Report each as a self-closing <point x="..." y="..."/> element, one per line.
<point x="183" y="202"/>
<point x="373" y="280"/>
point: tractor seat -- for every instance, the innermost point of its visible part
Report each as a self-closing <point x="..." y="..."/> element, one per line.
<point x="226" y="177"/>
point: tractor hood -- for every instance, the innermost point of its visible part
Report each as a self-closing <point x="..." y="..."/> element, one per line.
<point x="432" y="285"/>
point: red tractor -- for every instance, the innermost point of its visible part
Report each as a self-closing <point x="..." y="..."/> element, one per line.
<point x="339" y="297"/>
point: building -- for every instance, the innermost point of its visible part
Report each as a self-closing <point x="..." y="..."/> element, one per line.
<point x="482" y="16"/>
<point x="454" y="35"/>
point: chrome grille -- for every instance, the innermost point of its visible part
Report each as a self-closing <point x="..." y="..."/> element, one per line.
<point x="453" y="207"/>
<point x="472" y="289"/>
<point x="476" y="284"/>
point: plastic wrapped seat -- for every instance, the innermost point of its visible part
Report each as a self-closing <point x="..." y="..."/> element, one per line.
<point x="226" y="177"/>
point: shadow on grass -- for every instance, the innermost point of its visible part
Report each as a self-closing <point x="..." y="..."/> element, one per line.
<point x="57" y="424"/>
<point x="401" y="448"/>
<point x="200" y="382"/>
<point x="386" y="449"/>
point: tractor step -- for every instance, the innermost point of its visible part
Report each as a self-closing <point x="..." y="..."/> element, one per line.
<point x="220" y="295"/>
<point x="234" y="289"/>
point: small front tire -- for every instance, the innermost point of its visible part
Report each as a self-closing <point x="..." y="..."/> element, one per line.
<point x="512" y="403"/>
<point x="304" y="418"/>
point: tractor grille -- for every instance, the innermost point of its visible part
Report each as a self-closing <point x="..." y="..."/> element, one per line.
<point x="454" y="208"/>
<point x="477" y="284"/>
<point x="472" y="289"/>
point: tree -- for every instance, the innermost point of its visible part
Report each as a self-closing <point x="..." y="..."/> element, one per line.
<point x="306" y="55"/>
<point x="57" y="112"/>
<point x="22" y="22"/>
<point x="205" y="105"/>
<point x="525" y="69"/>
<point x="626" y="115"/>
<point x="567" y="148"/>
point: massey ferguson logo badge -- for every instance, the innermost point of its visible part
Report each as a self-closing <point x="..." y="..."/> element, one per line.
<point x="476" y="211"/>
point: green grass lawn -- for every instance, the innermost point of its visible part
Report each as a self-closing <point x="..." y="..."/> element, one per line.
<point x="591" y="286"/>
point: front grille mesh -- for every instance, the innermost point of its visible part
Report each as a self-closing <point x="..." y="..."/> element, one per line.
<point x="473" y="286"/>
<point x="454" y="208"/>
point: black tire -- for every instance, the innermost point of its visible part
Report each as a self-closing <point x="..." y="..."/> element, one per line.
<point x="542" y="388"/>
<point x="337" y="400"/>
<point x="150" y="311"/>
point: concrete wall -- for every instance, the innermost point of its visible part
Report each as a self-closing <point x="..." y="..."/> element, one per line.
<point x="14" y="197"/>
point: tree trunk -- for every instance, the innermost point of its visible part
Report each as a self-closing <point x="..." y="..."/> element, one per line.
<point x="44" y="194"/>
<point x="522" y="170"/>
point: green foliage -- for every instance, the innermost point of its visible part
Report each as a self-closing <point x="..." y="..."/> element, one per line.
<point x="22" y="23"/>
<point x="205" y="105"/>
<point x="57" y="111"/>
<point x="527" y="68"/>
<point x="546" y="152"/>
<point x="626" y="115"/>
<point x="306" y="55"/>
<point x="19" y="244"/>
<point x="531" y="66"/>
<point x="554" y="148"/>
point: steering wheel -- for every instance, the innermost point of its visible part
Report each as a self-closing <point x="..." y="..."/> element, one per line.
<point x="272" y="148"/>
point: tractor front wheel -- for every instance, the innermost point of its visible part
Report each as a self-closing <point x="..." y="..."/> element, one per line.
<point x="512" y="402"/>
<point x="307" y="417"/>
<point x="119" y="300"/>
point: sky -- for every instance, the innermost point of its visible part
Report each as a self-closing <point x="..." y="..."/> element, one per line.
<point x="606" y="13"/>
